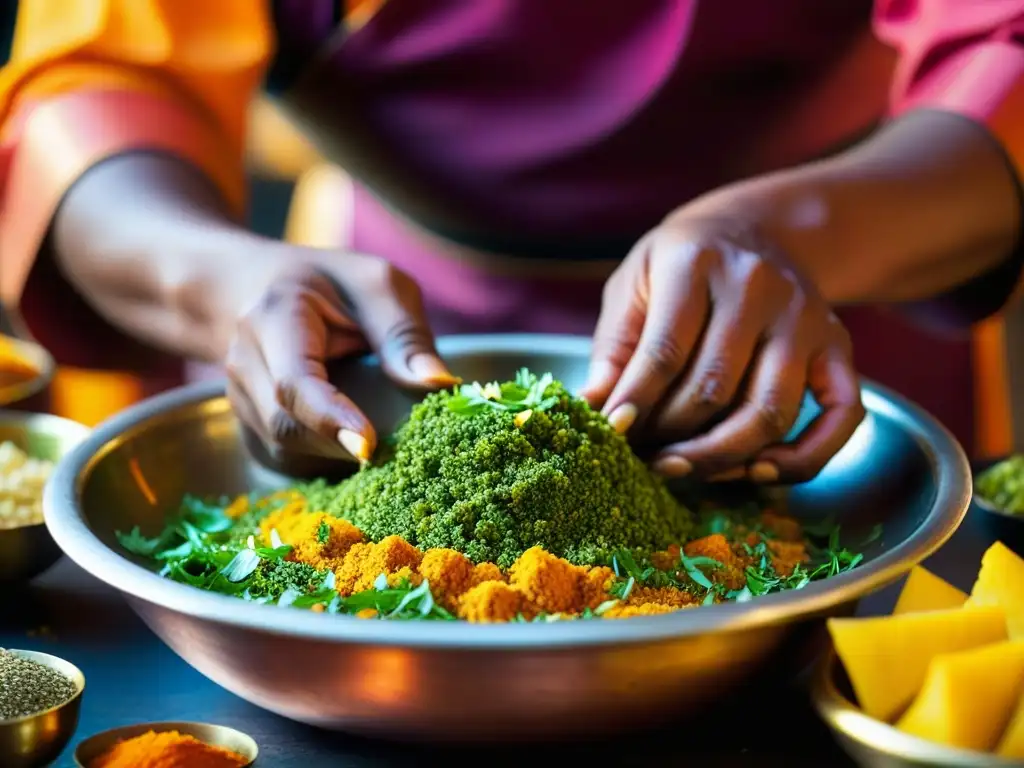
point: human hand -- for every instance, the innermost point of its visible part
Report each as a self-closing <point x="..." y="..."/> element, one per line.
<point x="706" y="343"/>
<point x="321" y="306"/>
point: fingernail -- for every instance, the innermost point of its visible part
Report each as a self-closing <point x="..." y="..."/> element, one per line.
<point x="431" y="371"/>
<point x="622" y="417"/>
<point x="673" y="466"/>
<point x="736" y="473"/>
<point x="355" y="444"/>
<point x="764" y="472"/>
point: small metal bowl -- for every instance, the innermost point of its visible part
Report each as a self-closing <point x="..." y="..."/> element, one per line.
<point x="876" y="744"/>
<point x="38" y="740"/>
<point x="28" y="550"/>
<point x="216" y="735"/>
<point x="1005" y="526"/>
<point x="24" y="389"/>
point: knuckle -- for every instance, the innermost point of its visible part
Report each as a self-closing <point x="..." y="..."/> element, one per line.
<point x="282" y="428"/>
<point x="772" y="420"/>
<point x="286" y="392"/>
<point x="703" y="258"/>
<point x="614" y="348"/>
<point x="714" y="386"/>
<point x="664" y="356"/>
<point x="407" y="333"/>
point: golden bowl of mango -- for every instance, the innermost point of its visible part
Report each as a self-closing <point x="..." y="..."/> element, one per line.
<point x="938" y="683"/>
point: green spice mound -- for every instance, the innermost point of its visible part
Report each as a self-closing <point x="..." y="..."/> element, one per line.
<point x="493" y="470"/>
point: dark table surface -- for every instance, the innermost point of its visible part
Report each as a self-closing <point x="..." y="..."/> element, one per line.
<point x="132" y="677"/>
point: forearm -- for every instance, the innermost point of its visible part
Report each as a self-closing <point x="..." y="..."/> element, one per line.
<point x="147" y="241"/>
<point x="920" y="208"/>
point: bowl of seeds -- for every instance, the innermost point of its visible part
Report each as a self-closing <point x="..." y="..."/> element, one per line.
<point x="30" y="446"/>
<point x="40" y="698"/>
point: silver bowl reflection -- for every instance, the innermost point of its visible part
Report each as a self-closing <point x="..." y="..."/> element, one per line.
<point x="440" y="680"/>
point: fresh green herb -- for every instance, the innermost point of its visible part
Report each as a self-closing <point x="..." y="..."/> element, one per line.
<point x="621" y="589"/>
<point x="692" y="567"/>
<point x="527" y="393"/>
<point x="829" y="561"/>
<point x="323" y="532"/>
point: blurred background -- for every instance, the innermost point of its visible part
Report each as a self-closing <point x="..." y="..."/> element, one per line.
<point x="278" y="156"/>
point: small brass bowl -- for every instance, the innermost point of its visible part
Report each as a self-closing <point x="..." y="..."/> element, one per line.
<point x="876" y="744"/>
<point x="22" y="389"/>
<point x="38" y="740"/>
<point x="216" y="735"/>
<point x="28" y="550"/>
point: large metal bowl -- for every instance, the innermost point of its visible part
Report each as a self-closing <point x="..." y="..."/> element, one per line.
<point x="458" y="681"/>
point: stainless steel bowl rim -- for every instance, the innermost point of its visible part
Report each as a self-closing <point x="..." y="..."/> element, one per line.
<point x="72" y="534"/>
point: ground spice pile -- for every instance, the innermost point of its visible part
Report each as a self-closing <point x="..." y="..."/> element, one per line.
<point x="169" y="749"/>
<point x="492" y="471"/>
<point x="538" y="584"/>
<point x="28" y="687"/>
<point x="510" y="502"/>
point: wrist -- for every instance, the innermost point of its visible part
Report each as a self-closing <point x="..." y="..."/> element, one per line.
<point x="927" y="204"/>
<point x="149" y="242"/>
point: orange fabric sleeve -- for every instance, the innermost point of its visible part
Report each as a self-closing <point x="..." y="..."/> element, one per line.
<point x="89" y="79"/>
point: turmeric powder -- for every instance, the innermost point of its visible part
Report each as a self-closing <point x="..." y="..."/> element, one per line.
<point x="550" y="583"/>
<point x="298" y="551"/>
<point x="169" y="749"/>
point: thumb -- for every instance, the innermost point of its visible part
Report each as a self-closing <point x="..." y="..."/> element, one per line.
<point x="388" y="306"/>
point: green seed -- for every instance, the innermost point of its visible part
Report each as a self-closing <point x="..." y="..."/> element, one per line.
<point x="28" y="687"/>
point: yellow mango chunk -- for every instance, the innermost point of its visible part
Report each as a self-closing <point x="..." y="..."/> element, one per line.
<point x="887" y="657"/>
<point x="968" y="697"/>
<point x="1012" y="743"/>
<point x="924" y="591"/>
<point x="1001" y="582"/>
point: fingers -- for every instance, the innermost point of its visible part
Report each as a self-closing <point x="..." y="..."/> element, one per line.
<point x="744" y="312"/>
<point x="389" y="309"/>
<point x="765" y="417"/>
<point x="253" y="396"/>
<point x="618" y="329"/>
<point x="276" y="367"/>
<point x="834" y="384"/>
<point x="656" y="334"/>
